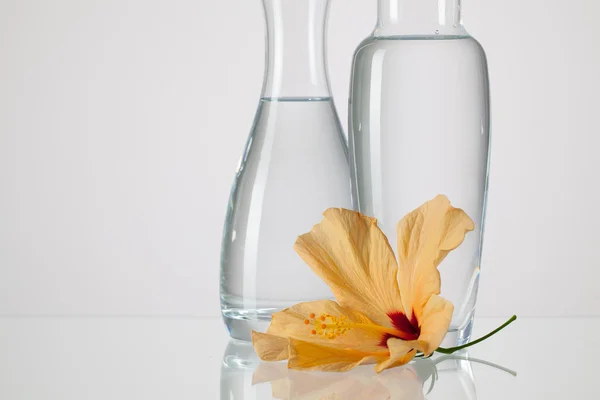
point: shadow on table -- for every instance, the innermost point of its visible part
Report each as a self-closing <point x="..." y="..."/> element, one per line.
<point x="245" y="377"/>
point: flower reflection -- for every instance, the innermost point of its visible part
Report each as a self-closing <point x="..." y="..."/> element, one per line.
<point x="360" y="384"/>
<point x="244" y="377"/>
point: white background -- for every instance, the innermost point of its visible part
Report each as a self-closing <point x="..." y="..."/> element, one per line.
<point x="122" y="122"/>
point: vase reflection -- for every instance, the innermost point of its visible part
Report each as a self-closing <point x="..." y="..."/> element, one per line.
<point x="245" y="377"/>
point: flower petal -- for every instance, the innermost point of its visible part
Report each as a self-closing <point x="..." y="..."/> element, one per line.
<point x="351" y="254"/>
<point x="270" y="347"/>
<point x="425" y="237"/>
<point x="326" y="322"/>
<point x="400" y="353"/>
<point x="314" y="356"/>
<point x="436" y="318"/>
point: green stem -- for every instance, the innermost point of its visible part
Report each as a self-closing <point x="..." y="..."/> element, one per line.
<point x="464" y="346"/>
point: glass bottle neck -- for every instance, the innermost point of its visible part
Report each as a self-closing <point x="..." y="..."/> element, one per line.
<point x="295" y="49"/>
<point x="419" y="18"/>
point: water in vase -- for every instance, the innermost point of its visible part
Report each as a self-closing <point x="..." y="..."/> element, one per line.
<point x="295" y="166"/>
<point x="419" y="126"/>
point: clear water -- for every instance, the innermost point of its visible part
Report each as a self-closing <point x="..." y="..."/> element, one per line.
<point x="419" y="126"/>
<point x="294" y="167"/>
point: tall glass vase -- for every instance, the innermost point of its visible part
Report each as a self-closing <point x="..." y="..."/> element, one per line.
<point x="295" y="166"/>
<point x="419" y="126"/>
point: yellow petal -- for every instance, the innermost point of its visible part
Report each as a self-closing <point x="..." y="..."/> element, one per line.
<point x="270" y="347"/>
<point x="325" y="336"/>
<point x="313" y="356"/>
<point x="425" y="237"/>
<point x="351" y="254"/>
<point x="400" y="353"/>
<point x="436" y="318"/>
<point x="326" y="322"/>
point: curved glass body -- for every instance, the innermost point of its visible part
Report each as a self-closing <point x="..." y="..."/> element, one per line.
<point x="419" y="126"/>
<point x="294" y="167"/>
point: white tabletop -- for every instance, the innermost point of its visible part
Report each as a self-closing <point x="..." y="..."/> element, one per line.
<point x="192" y="358"/>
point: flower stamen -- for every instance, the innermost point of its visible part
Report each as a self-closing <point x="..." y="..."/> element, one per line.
<point x="331" y="326"/>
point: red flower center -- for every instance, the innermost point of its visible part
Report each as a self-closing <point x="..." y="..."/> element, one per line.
<point x="407" y="329"/>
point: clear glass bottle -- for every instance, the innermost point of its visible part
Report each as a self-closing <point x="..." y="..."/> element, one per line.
<point x="294" y="167"/>
<point x="419" y="126"/>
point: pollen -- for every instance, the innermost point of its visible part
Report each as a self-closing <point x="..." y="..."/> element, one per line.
<point x="312" y="315"/>
<point x="306" y="322"/>
<point x="330" y="326"/>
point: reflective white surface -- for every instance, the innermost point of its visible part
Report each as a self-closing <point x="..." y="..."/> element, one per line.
<point x="190" y="358"/>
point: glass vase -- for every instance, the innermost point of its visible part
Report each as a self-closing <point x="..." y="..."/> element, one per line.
<point x="419" y="126"/>
<point x="294" y="167"/>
